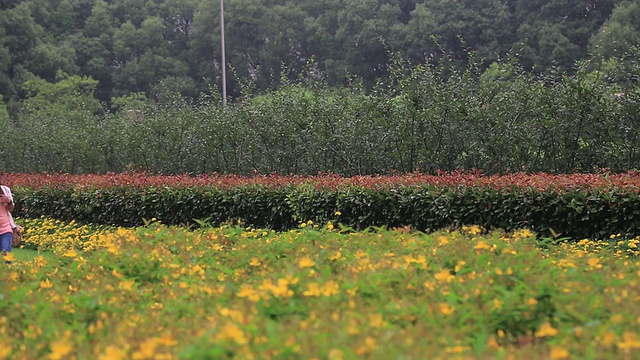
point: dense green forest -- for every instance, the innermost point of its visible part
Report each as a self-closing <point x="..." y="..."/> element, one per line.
<point x="147" y="48"/>
<point x="343" y="86"/>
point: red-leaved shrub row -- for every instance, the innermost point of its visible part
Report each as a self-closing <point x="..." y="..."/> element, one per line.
<point x="541" y="181"/>
<point x="575" y="205"/>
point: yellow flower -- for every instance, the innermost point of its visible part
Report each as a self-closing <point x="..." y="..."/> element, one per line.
<point x="376" y="320"/>
<point x="558" y="353"/>
<point x="5" y="350"/>
<point x="608" y="338"/>
<point x="546" y="329"/>
<point x="430" y="285"/>
<point x="249" y="292"/>
<point x="147" y="349"/>
<point x="254" y="262"/>
<point x="126" y="284"/>
<point x="445" y="308"/>
<point x="455" y="349"/>
<point x="313" y="289"/>
<point x="493" y="343"/>
<point x="305" y="263"/>
<point x="629" y="341"/>
<point x="368" y="346"/>
<point x="338" y="213"/>
<point x="594" y="263"/>
<point x="336" y="354"/>
<point x="444" y="275"/>
<point x="482" y="245"/>
<point x="616" y="319"/>
<point x="497" y="303"/>
<point x="330" y="288"/>
<point x="113" y="353"/>
<point x="71" y="253"/>
<point x="60" y="349"/>
<point x="234" y="333"/>
<point x="116" y="273"/>
<point x="473" y="229"/>
<point x="443" y="240"/>
<point x="522" y="234"/>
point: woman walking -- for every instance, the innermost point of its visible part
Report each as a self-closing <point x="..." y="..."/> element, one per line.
<point x="6" y="220"/>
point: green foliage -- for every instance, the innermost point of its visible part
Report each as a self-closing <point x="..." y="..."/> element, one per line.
<point x="425" y="117"/>
<point x="58" y="128"/>
<point x="4" y="116"/>
<point x="619" y="33"/>
<point x="135" y="46"/>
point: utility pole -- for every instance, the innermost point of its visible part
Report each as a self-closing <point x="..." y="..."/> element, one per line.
<point x="224" y="63"/>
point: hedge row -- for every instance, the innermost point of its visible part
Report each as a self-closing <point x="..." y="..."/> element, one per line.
<point x="577" y="213"/>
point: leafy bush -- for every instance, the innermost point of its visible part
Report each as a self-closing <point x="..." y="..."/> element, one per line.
<point x="423" y="117"/>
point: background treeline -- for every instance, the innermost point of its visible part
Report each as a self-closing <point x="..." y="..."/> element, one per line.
<point x="350" y="87"/>
<point x="154" y="47"/>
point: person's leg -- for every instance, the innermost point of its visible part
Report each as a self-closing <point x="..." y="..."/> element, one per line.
<point x="5" y="243"/>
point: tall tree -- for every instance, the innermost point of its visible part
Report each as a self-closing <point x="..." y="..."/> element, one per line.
<point x="557" y="32"/>
<point x="261" y="37"/>
<point x="354" y="37"/>
<point x="94" y="47"/>
<point x="483" y="26"/>
<point x="62" y="120"/>
<point x="63" y="19"/>
<point x="619" y="33"/>
<point x="179" y="19"/>
<point x="4" y="115"/>
<point x="6" y="86"/>
<point x="415" y="39"/>
<point x="143" y="58"/>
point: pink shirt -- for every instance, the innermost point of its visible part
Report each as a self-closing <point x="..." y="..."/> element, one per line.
<point x="5" y="217"/>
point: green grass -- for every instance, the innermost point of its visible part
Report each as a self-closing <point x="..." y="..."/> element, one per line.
<point x="30" y="254"/>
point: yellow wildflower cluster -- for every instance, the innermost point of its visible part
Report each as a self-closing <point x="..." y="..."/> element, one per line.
<point x="161" y="292"/>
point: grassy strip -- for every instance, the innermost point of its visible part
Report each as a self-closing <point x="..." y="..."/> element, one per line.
<point x="26" y="255"/>
<point x="321" y="292"/>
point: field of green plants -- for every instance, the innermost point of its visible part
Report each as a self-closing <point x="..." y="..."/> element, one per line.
<point x="414" y="266"/>
<point x="319" y="291"/>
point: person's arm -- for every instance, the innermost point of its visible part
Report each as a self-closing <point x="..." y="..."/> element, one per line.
<point x="7" y="202"/>
<point x="7" y="198"/>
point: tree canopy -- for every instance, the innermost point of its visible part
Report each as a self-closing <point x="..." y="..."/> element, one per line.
<point x="156" y="47"/>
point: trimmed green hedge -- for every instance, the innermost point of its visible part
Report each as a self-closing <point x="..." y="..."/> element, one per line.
<point x="593" y="213"/>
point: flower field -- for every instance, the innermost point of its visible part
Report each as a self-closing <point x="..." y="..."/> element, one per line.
<point x="316" y="292"/>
